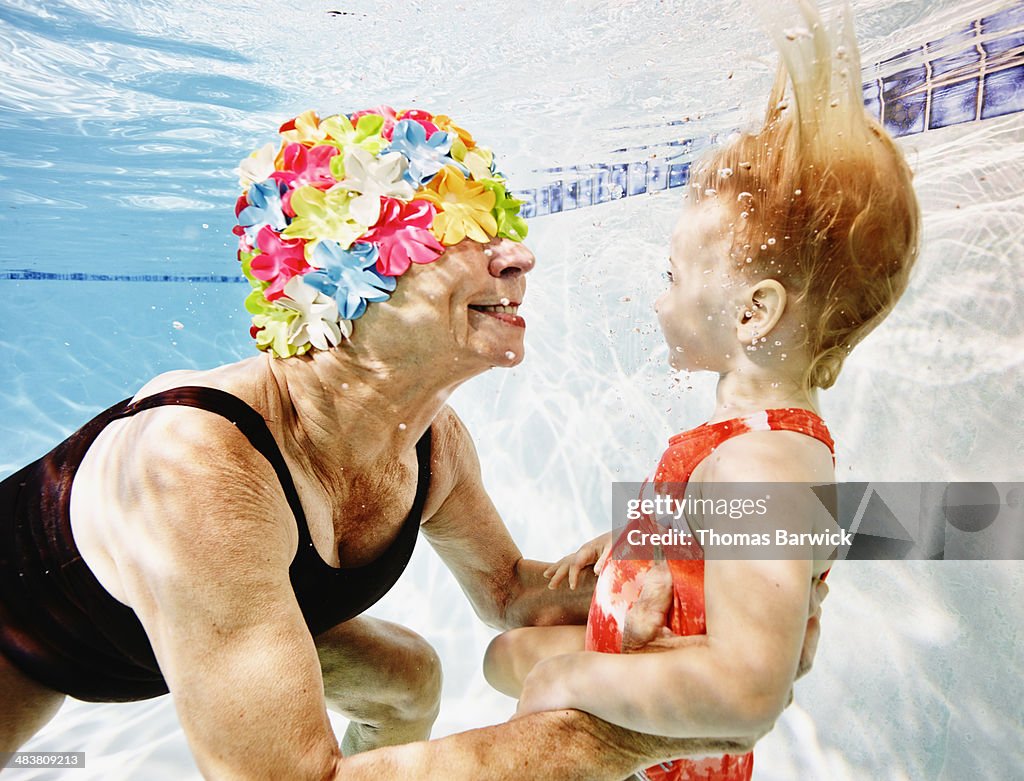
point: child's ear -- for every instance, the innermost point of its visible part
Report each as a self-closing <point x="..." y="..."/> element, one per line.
<point x="761" y="309"/>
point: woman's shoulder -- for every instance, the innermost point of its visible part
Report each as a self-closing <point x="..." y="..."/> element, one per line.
<point x="234" y="378"/>
<point x="454" y="462"/>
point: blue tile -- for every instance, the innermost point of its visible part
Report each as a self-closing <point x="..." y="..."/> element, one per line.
<point x="953" y="104"/>
<point x="1004" y="93"/>
<point x="555" y="196"/>
<point x="570" y="198"/>
<point x="543" y="201"/>
<point x="903" y="114"/>
<point x="872" y="99"/>
<point x="618" y="181"/>
<point x="637" y="177"/>
<point x="1006" y="19"/>
<point x="903" y="82"/>
<point x="965" y="61"/>
<point x="678" y="174"/>
<point x="1005" y="43"/>
<point x="602" y="192"/>
<point x="657" y="176"/>
<point x="529" y="207"/>
<point x="585" y="194"/>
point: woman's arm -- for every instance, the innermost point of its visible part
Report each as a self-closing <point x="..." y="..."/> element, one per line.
<point x="505" y="589"/>
<point x="207" y="539"/>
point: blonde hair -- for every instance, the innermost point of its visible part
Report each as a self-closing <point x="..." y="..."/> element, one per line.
<point x="820" y="196"/>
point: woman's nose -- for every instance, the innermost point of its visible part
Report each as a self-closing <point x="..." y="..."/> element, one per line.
<point x="509" y="258"/>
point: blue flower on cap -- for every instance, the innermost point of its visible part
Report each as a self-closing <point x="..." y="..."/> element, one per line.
<point x="264" y="209"/>
<point x="349" y="276"/>
<point x="426" y="156"/>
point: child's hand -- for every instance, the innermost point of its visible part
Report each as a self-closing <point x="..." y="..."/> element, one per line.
<point x="595" y="552"/>
<point x="647" y="617"/>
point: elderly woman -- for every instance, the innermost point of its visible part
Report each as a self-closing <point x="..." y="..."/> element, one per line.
<point x="218" y="535"/>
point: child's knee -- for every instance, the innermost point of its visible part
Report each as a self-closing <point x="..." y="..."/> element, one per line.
<point x="501" y="660"/>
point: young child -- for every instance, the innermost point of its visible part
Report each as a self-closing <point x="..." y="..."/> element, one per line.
<point x="797" y="240"/>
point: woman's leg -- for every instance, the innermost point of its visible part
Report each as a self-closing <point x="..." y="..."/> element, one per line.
<point x="511" y="655"/>
<point x="25" y="706"/>
<point x="385" y="678"/>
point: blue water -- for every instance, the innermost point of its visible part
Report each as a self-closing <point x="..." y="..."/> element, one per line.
<point x="121" y="123"/>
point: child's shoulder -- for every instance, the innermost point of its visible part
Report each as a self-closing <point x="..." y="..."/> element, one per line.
<point x="767" y="457"/>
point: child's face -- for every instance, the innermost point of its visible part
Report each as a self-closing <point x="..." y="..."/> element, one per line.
<point x="697" y="311"/>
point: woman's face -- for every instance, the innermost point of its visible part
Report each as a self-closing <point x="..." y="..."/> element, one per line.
<point x="697" y="311"/>
<point x="465" y="305"/>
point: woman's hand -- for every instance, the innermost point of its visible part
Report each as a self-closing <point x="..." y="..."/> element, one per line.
<point x="819" y="590"/>
<point x="595" y="552"/>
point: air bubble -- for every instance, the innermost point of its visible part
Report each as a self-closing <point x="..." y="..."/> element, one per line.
<point x="178" y="325"/>
<point x="725" y="173"/>
<point x="510" y="355"/>
<point x="488" y="251"/>
<point x="798" y="192"/>
<point x="745" y="166"/>
<point x="504" y="302"/>
<point x="750" y="260"/>
<point x="771" y="242"/>
<point x="344" y="386"/>
<point x="764" y="247"/>
<point x="402" y="427"/>
<point x="834" y="103"/>
<point x="744" y="215"/>
<point x="710" y="192"/>
<point x="778" y="343"/>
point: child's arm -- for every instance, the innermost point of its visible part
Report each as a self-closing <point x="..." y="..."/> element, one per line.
<point x="739" y="679"/>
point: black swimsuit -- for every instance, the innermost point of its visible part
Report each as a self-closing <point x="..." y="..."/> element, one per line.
<point x="62" y="628"/>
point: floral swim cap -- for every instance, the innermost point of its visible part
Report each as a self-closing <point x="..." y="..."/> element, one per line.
<point x="331" y="216"/>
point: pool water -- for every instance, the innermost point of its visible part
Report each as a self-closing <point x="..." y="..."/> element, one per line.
<point x="122" y="122"/>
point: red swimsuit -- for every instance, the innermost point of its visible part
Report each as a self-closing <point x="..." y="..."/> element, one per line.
<point x="620" y="581"/>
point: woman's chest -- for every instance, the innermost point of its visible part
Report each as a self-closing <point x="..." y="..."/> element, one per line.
<point x="354" y="520"/>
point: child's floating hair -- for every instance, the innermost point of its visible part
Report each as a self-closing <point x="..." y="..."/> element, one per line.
<point x="820" y="197"/>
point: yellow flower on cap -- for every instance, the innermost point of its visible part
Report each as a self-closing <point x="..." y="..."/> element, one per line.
<point x="464" y="208"/>
<point x="304" y="129"/>
<point x="444" y="122"/>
